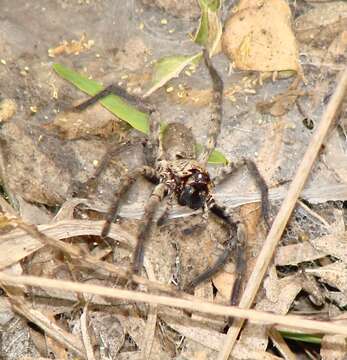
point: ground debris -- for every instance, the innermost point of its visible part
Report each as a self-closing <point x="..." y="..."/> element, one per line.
<point x="45" y="149"/>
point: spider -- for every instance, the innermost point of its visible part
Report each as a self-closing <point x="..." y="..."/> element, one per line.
<point x="179" y="174"/>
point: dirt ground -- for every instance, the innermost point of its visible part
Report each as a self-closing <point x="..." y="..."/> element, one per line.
<point x="44" y="158"/>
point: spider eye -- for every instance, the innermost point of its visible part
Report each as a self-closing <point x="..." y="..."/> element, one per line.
<point x="192" y="198"/>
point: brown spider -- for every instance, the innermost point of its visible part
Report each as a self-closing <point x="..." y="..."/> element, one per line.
<point x="179" y="174"/>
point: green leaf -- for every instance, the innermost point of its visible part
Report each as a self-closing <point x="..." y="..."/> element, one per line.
<point x="216" y="157"/>
<point x="168" y="68"/>
<point x="309" y="338"/>
<point x="201" y="35"/>
<point x="209" y="30"/>
<point x="213" y="5"/>
<point x="137" y="119"/>
<point x="119" y="107"/>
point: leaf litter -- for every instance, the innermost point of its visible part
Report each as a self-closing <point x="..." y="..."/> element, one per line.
<point x="41" y="161"/>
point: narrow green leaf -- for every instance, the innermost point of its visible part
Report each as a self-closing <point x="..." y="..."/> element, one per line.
<point x="309" y="338"/>
<point x="118" y="107"/>
<point x="168" y="68"/>
<point x="137" y="119"/>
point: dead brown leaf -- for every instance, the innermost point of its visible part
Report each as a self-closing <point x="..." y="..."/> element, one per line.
<point x="259" y="37"/>
<point x="318" y="30"/>
<point x="334" y="274"/>
<point x="224" y="281"/>
<point x="280" y="294"/>
<point x="335" y="245"/>
<point x="134" y="326"/>
<point x="334" y="347"/>
<point x="297" y="253"/>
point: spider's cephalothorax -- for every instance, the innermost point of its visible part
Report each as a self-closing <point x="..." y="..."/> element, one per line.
<point x="188" y="181"/>
<point x="180" y="171"/>
<point x="180" y="174"/>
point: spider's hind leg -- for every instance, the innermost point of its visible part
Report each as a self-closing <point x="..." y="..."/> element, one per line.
<point x="227" y="171"/>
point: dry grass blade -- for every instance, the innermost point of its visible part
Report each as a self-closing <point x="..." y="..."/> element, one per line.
<point x="285" y="211"/>
<point x="18" y="244"/>
<point x="35" y="358"/>
<point x="91" y="261"/>
<point x="191" y="305"/>
<point x="148" y="336"/>
<point x="281" y="345"/>
<point x="87" y="342"/>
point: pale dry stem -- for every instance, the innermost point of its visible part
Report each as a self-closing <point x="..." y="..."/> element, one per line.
<point x="192" y="305"/>
<point x="284" y="213"/>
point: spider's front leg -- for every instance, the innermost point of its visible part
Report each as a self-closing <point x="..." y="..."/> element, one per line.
<point x="234" y="247"/>
<point x="230" y="169"/>
<point x="216" y="111"/>
<point x="114" y="89"/>
<point x="83" y="189"/>
<point x="125" y="182"/>
<point x="159" y="192"/>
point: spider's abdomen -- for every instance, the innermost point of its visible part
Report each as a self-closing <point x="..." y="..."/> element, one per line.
<point x="178" y="142"/>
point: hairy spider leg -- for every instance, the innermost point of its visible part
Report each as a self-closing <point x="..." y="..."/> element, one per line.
<point x="230" y="169"/>
<point x="117" y="90"/>
<point x="82" y="189"/>
<point x="234" y="248"/>
<point x="125" y="183"/>
<point x="216" y="111"/>
<point x="165" y="214"/>
<point x="153" y="149"/>
<point x="156" y="197"/>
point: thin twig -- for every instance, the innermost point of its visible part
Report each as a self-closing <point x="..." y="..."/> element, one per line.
<point x="285" y="211"/>
<point x="194" y="305"/>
